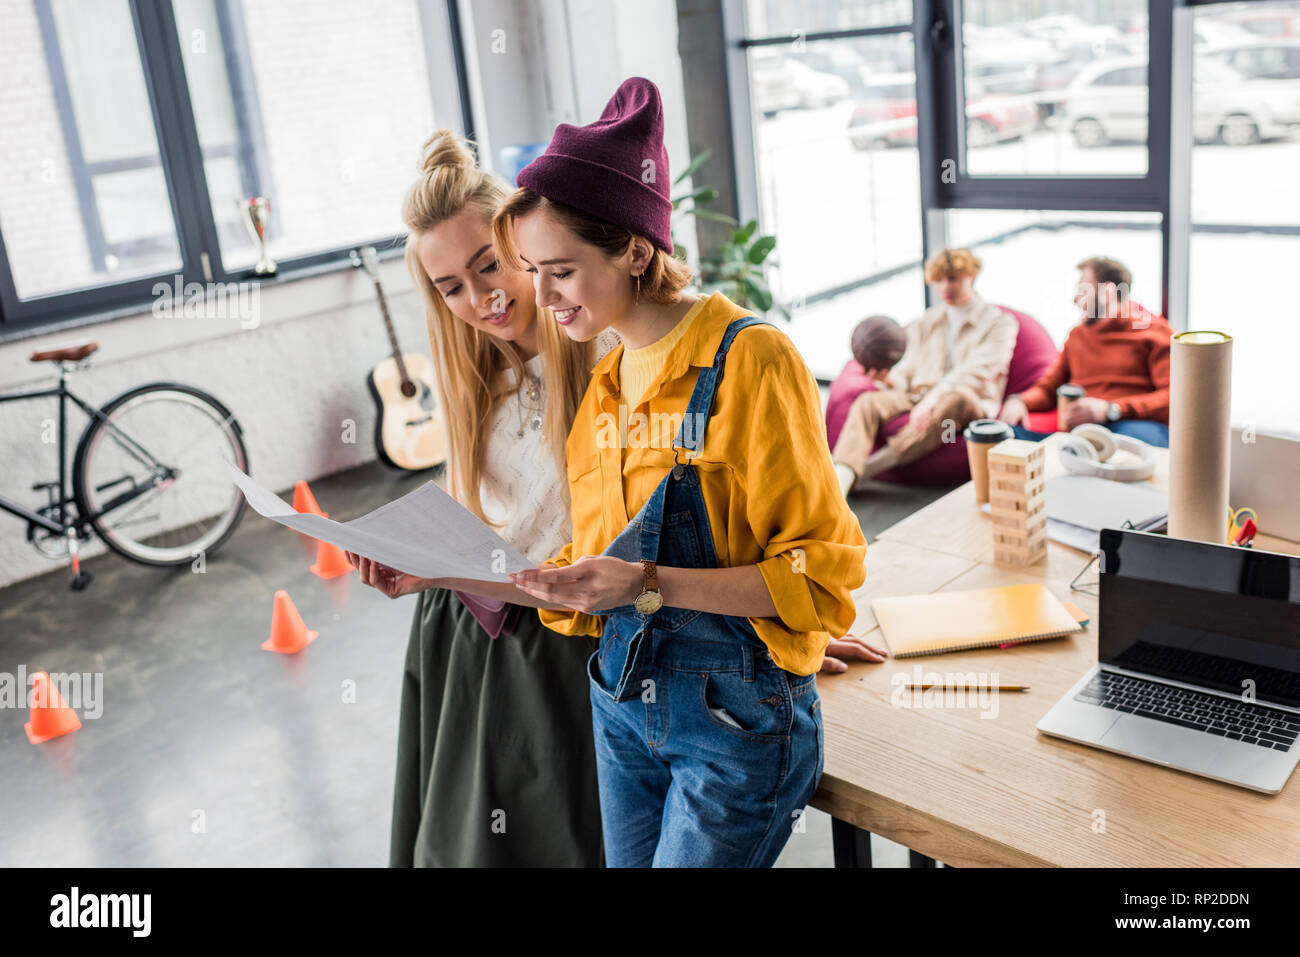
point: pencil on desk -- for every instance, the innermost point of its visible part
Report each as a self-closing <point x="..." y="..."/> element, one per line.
<point x="969" y="687"/>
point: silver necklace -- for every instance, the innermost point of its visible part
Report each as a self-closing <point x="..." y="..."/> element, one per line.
<point x="532" y="403"/>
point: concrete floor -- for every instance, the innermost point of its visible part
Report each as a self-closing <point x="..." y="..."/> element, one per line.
<point x="211" y="751"/>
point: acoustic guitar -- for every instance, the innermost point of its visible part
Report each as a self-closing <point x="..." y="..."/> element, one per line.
<point x="410" y="430"/>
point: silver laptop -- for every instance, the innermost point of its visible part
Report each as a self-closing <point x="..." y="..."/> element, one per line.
<point x="1264" y="471"/>
<point x="1199" y="660"/>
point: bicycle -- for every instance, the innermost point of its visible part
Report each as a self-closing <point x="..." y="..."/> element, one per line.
<point x="160" y="509"/>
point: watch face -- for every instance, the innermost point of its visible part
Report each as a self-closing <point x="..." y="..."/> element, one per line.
<point x="648" y="602"/>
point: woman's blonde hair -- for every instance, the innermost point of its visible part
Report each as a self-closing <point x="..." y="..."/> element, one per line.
<point x="664" y="277"/>
<point x="466" y="359"/>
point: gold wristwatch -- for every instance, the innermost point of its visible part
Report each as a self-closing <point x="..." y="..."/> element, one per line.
<point x="649" y="601"/>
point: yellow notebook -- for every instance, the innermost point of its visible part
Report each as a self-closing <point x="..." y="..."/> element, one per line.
<point x="979" y="618"/>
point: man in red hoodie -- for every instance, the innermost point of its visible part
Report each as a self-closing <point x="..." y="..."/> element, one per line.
<point x="1119" y="354"/>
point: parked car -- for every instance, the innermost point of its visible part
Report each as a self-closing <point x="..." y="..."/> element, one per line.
<point x="771" y="84"/>
<point x="1004" y="43"/>
<point x="855" y="61"/>
<point x="1267" y="20"/>
<point x="1053" y="78"/>
<point x="837" y="59"/>
<point x="814" y="88"/>
<point x="1066" y="29"/>
<point x="1260" y="59"/>
<point x="886" y="114"/>
<point x="1208" y="31"/>
<point x="782" y="83"/>
<point x="1238" y="110"/>
<point x="1004" y="76"/>
<point x="1107" y="103"/>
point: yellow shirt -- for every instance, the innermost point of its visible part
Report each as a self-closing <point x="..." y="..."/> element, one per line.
<point x="769" y="486"/>
<point x="638" y="367"/>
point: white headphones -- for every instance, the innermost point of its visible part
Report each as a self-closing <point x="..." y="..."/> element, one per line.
<point x="1088" y="448"/>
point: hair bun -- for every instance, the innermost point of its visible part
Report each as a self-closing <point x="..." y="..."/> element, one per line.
<point x="444" y="148"/>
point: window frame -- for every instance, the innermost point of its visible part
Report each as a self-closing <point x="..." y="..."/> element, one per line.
<point x="1163" y="189"/>
<point x="182" y="163"/>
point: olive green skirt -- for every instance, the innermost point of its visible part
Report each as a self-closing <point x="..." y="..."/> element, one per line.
<point x="496" y="764"/>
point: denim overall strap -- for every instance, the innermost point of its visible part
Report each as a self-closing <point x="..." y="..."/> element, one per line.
<point x="689" y="436"/>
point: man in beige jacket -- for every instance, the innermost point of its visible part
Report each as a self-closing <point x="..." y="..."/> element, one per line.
<point x="954" y="370"/>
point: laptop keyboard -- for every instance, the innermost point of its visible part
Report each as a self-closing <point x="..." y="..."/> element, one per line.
<point x="1227" y="717"/>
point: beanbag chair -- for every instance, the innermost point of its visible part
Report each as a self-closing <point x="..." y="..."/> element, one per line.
<point x="948" y="464"/>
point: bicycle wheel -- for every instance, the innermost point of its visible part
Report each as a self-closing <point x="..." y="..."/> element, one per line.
<point x="148" y="474"/>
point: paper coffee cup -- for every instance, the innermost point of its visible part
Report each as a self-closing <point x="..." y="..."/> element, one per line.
<point x="1066" y="396"/>
<point x="981" y="435"/>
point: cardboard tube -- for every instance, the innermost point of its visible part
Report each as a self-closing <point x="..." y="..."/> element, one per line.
<point x="1200" y="435"/>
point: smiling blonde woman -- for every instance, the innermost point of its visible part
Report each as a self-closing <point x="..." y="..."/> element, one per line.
<point x="495" y="759"/>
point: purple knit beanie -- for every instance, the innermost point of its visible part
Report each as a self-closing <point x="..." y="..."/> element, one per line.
<point x="616" y="168"/>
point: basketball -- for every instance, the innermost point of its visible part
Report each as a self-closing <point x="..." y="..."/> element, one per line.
<point x="878" y="342"/>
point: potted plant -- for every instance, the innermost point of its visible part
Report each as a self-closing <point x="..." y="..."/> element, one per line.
<point x="736" y="266"/>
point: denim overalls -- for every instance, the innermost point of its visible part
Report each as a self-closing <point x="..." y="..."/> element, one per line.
<point x="706" y="750"/>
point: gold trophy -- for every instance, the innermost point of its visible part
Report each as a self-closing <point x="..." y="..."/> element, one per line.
<point x="256" y="214"/>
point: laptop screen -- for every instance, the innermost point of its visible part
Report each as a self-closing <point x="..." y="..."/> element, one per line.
<point x="1218" y="616"/>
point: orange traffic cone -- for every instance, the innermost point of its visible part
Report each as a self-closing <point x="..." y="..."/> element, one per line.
<point x="330" y="561"/>
<point x="289" y="634"/>
<point x="304" y="501"/>
<point x="50" y="714"/>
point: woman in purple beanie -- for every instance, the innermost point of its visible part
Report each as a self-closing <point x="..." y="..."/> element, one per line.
<point x="715" y="569"/>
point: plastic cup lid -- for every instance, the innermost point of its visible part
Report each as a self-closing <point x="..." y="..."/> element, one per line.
<point x="988" y="430"/>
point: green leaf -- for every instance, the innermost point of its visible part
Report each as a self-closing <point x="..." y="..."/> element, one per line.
<point x="692" y="166"/>
<point x="711" y="216"/>
<point x="757" y="290"/>
<point x="705" y="194"/>
<point x="760" y="249"/>
<point x="746" y="231"/>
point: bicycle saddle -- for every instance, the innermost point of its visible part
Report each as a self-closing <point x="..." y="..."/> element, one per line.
<point x="68" y="353"/>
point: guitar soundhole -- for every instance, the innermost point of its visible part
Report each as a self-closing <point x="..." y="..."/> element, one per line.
<point x="408" y="388"/>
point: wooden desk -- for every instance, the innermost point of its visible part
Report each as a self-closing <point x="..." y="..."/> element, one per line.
<point x="970" y="788"/>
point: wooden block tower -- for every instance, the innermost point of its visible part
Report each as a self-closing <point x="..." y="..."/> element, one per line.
<point x="1018" y="502"/>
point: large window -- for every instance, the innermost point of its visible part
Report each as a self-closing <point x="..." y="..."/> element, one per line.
<point x="833" y="100"/>
<point x="318" y="105"/>
<point x="83" y="200"/>
<point x="1059" y="93"/>
<point x="1245" y="206"/>
<point x="846" y="108"/>
<point x="326" y="126"/>
<point x="1162" y="133"/>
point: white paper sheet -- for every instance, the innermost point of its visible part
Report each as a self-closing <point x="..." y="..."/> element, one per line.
<point x="425" y="533"/>
<point x="1084" y="539"/>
